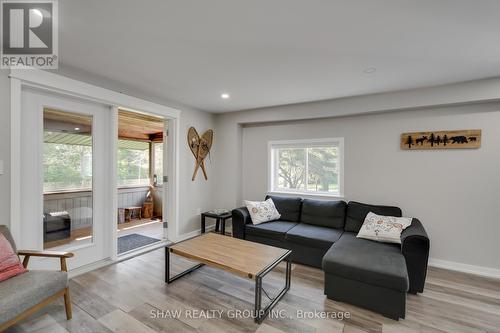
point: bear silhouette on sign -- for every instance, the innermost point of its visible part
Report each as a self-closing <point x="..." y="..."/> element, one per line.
<point x="459" y="139"/>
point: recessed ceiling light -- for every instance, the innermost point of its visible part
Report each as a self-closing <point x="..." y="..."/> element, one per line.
<point x="77" y="128"/>
<point x="370" y="70"/>
<point x="224" y="96"/>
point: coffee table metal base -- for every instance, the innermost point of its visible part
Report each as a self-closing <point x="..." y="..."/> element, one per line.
<point x="259" y="313"/>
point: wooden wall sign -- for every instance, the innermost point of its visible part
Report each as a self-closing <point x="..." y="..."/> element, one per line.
<point x="200" y="147"/>
<point x="441" y="140"/>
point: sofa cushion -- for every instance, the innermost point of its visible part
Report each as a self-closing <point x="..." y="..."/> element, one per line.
<point x="356" y="213"/>
<point x="26" y="290"/>
<point x="289" y="208"/>
<point x="274" y="229"/>
<point x="323" y="213"/>
<point x="313" y="235"/>
<point x="367" y="261"/>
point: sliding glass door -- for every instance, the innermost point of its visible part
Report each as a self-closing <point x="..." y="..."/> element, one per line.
<point x="65" y="148"/>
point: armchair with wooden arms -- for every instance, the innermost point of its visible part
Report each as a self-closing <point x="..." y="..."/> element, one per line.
<point x="25" y="294"/>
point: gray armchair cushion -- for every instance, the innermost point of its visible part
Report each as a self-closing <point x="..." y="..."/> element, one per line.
<point x="24" y="291"/>
<point x="367" y="261"/>
<point x="5" y="231"/>
<point x="274" y="229"/>
<point x="313" y="235"/>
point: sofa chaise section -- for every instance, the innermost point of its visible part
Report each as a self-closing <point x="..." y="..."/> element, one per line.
<point x="368" y="274"/>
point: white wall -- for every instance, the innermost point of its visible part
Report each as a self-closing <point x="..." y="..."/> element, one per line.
<point x="194" y="196"/>
<point x="454" y="193"/>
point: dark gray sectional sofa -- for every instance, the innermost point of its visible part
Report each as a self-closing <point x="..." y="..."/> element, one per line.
<point x="362" y="272"/>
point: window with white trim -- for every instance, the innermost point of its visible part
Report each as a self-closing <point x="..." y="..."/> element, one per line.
<point x="307" y="166"/>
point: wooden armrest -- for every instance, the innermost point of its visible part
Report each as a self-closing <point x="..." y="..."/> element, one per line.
<point x="50" y="254"/>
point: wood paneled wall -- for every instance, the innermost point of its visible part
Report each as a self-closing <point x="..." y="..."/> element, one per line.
<point x="79" y="204"/>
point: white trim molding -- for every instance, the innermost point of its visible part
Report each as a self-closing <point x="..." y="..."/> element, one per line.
<point x="318" y="196"/>
<point x="113" y="202"/>
<point x="465" y="268"/>
<point x="57" y="83"/>
<point x="15" y="159"/>
<point x="305" y="143"/>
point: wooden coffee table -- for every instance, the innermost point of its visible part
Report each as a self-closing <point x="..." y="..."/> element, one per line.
<point x="247" y="259"/>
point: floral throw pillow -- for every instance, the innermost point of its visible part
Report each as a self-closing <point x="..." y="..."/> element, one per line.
<point x="381" y="228"/>
<point x="262" y="211"/>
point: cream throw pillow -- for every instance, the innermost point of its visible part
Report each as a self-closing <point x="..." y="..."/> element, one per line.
<point x="262" y="211"/>
<point x="381" y="228"/>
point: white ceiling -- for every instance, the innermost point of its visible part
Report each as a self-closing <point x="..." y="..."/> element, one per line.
<point x="272" y="52"/>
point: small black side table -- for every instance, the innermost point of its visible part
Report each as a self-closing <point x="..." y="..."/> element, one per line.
<point x="219" y="219"/>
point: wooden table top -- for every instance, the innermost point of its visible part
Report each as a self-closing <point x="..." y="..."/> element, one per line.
<point x="235" y="255"/>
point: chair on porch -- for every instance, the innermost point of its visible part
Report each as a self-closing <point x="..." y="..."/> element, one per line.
<point x="25" y="294"/>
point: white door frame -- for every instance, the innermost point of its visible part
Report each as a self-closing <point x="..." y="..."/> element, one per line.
<point x="33" y="105"/>
<point x="50" y="82"/>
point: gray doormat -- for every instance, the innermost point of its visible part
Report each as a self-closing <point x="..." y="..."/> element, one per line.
<point x="134" y="241"/>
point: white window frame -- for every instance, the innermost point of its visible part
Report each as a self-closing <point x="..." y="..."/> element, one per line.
<point x="305" y="143"/>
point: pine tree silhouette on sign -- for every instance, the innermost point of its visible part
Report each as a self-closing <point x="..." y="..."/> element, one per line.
<point x="432" y="139"/>
<point x="438" y="140"/>
<point x="445" y="139"/>
<point x="409" y="141"/>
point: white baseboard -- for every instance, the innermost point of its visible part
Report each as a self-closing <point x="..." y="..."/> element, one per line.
<point x="195" y="233"/>
<point x="90" y="267"/>
<point x="465" y="268"/>
<point x="105" y="262"/>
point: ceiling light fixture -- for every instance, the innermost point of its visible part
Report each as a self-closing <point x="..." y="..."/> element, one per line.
<point x="370" y="70"/>
<point x="77" y="128"/>
<point x="224" y="96"/>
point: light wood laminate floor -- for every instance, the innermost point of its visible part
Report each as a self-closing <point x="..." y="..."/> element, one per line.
<point x="125" y="296"/>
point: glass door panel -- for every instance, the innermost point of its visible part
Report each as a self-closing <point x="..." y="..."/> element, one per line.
<point x="67" y="179"/>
